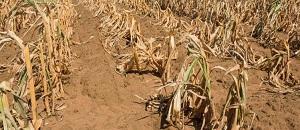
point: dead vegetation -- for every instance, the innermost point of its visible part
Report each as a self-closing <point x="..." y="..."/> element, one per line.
<point x="209" y="29"/>
<point x="42" y="31"/>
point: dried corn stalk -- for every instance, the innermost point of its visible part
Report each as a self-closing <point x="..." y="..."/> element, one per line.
<point x="235" y="109"/>
<point x="191" y="98"/>
<point x="279" y="74"/>
<point x="124" y="41"/>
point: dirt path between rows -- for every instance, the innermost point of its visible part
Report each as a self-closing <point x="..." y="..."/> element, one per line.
<point x="99" y="98"/>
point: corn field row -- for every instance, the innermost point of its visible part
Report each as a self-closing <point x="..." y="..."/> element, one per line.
<point x="42" y="32"/>
<point x="208" y="29"/>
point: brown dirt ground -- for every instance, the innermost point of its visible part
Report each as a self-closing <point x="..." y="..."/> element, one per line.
<point x="99" y="98"/>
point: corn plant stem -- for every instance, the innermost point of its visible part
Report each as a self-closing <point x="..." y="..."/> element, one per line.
<point x="234" y="123"/>
<point x="31" y="27"/>
<point x="203" y="124"/>
<point x="46" y="23"/>
<point x="53" y="101"/>
<point x="45" y="85"/>
<point x="288" y="61"/>
<point x="4" y="123"/>
<point x="30" y="84"/>
<point x="136" y="60"/>
<point x="166" y="71"/>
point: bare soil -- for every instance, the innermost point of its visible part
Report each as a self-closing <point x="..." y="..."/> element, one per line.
<point x="99" y="98"/>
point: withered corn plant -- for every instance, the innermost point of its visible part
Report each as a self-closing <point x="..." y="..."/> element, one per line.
<point x="125" y="42"/>
<point x="191" y="98"/>
<point x="235" y="109"/>
<point x="278" y="67"/>
<point x="164" y="17"/>
<point x="224" y="28"/>
<point x="279" y="73"/>
<point x="12" y="117"/>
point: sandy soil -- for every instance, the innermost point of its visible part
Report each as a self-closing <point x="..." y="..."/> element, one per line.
<point x="99" y="98"/>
